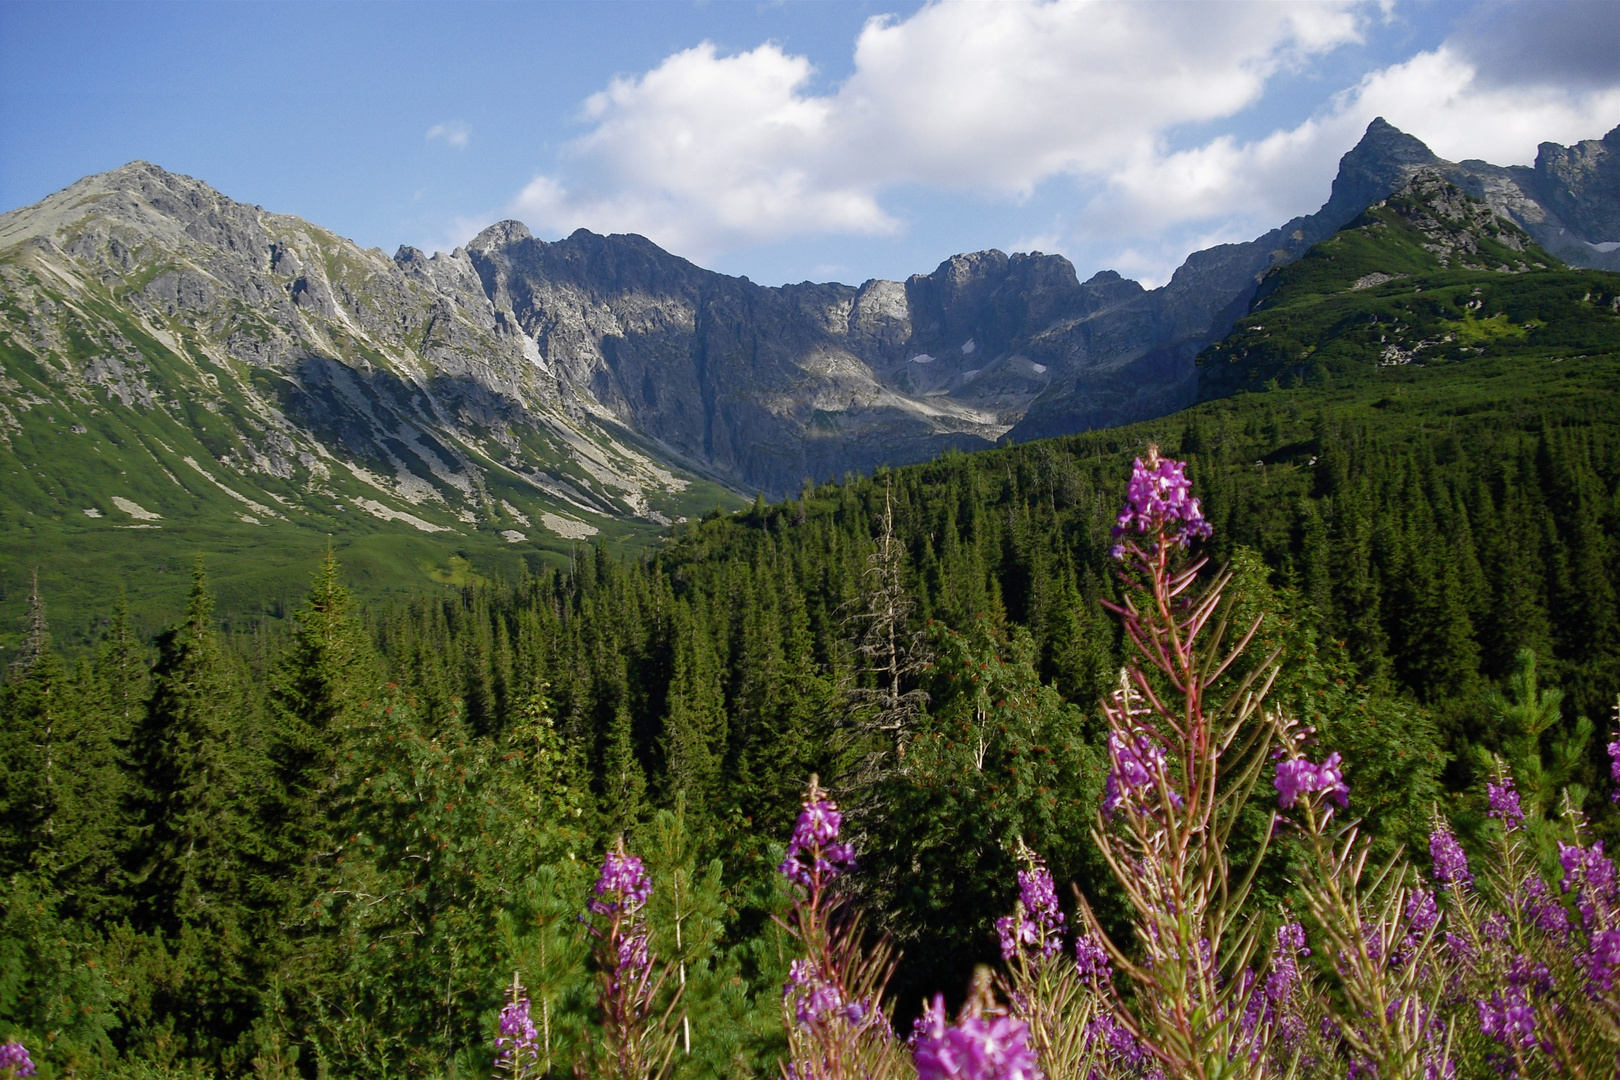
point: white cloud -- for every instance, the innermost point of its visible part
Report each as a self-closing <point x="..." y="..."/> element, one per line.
<point x="454" y="133"/>
<point x="708" y="151"/>
<point x="1242" y="189"/>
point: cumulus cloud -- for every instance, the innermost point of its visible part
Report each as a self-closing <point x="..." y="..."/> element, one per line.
<point x="1441" y="96"/>
<point x="707" y="151"/>
<point x="454" y="133"/>
<point x="710" y="152"/>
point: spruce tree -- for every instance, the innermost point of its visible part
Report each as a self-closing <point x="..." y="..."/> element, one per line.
<point x="317" y="691"/>
<point x="193" y="769"/>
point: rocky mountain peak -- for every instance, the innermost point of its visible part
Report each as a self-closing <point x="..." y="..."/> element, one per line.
<point x="1384" y="159"/>
<point x="1460" y="230"/>
<point x="1581" y="183"/>
<point x="499" y="235"/>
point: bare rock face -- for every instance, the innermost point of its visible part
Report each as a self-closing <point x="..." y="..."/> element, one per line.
<point x="292" y="370"/>
<point x="1136" y="361"/>
<point x="601" y="375"/>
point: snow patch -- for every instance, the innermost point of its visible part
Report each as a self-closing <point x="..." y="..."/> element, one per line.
<point x="968" y="346"/>
<point x="91" y="512"/>
<point x="1040" y="369"/>
<point x="512" y="536"/>
<point x="922" y="358"/>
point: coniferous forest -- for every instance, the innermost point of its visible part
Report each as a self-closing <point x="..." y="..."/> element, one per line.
<point x="332" y="849"/>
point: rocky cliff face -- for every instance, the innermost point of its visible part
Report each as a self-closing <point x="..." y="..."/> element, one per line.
<point x="185" y="335"/>
<point x="1569" y="203"/>
<point x="600" y="377"/>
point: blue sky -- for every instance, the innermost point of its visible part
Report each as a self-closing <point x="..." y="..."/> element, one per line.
<point x="791" y="141"/>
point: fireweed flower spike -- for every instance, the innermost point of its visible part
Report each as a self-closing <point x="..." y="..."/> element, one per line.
<point x="1504" y="802"/>
<point x="1188" y="738"/>
<point x="983" y="1044"/>
<point x="634" y="1044"/>
<point x="832" y="1001"/>
<point x="14" y="1060"/>
<point x="1036" y="924"/>
<point x="1298" y="777"/>
<point x="517" y="1046"/>
<point x="814" y="855"/>
<point x="1159" y="501"/>
<point x="1450" y="861"/>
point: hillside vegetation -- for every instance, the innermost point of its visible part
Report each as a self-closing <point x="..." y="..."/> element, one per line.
<point x="329" y="849"/>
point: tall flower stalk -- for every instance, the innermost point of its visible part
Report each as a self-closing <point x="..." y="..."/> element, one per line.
<point x="832" y="1005"/>
<point x="1186" y="746"/>
<point x="1051" y="991"/>
<point x="1379" y="929"/>
<point x="638" y="1041"/>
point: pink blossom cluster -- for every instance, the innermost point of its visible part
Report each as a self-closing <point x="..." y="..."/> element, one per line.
<point x="1039" y="924"/>
<point x="623" y="884"/>
<point x="974" y="1048"/>
<point x="1159" y="500"/>
<point x="14" y="1059"/>
<point x="814" y="850"/>
<point x="1300" y="776"/>
<point x="518" y="1042"/>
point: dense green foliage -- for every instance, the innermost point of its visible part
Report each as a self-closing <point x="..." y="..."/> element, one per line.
<point x="331" y="849"/>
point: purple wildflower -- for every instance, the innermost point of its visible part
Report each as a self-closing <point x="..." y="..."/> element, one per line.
<point x="623" y="882"/>
<point x="1138" y="763"/>
<point x="1505" y="803"/>
<point x="1122" y="1046"/>
<point x="1421" y="912"/>
<point x="1159" y="499"/>
<point x="1508" y="1016"/>
<point x="1284" y="977"/>
<point x="975" y="1048"/>
<point x="1038" y="921"/>
<point x="814" y="850"/>
<point x="1299" y="776"/>
<point x="14" y="1059"/>
<point x="519" y="1039"/>
<point x="1543" y="908"/>
<point x="814" y="998"/>
<point x="1602" y="962"/>
<point x="1460" y="951"/>
<point x="1450" y="861"/>
<point x="1589" y="874"/>
<point x="1092" y="959"/>
<point x="1614" y="767"/>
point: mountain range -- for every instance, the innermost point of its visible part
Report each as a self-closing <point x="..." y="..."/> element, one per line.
<point x="171" y="355"/>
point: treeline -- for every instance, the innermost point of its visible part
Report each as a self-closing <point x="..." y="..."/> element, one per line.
<point x="330" y="856"/>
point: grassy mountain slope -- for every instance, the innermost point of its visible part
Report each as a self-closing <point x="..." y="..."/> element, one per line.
<point x="181" y="374"/>
<point x="1429" y="277"/>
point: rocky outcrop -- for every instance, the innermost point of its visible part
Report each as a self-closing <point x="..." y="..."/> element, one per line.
<point x="593" y="367"/>
<point x="1144" y="366"/>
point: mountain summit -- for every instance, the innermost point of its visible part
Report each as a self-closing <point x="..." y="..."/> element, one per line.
<point x="169" y="349"/>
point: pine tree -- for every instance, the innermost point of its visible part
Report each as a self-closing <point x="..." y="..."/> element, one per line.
<point x="624" y="782"/>
<point x="316" y="696"/>
<point x="193" y="767"/>
<point x="695" y="732"/>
